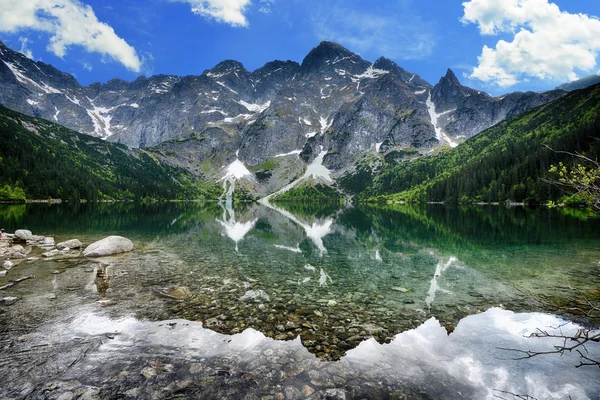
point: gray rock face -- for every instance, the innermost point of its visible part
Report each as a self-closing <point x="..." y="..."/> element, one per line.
<point x="108" y="246"/>
<point x="466" y="111"/>
<point x="334" y="99"/>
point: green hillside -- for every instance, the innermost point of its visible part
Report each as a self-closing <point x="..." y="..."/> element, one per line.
<point x="505" y="162"/>
<point x="41" y="160"/>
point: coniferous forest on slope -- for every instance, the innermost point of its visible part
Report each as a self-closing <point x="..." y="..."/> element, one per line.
<point x="510" y="161"/>
<point x="42" y="160"/>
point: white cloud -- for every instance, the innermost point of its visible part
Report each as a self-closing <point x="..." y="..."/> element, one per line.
<point x="547" y="43"/>
<point x="87" y="66"/>
<point x="265" y="6"/>
<point x="69" y="22"/>
<point x="24" y="50"/>
<point x="231" y="12"/>
<point x="376" y="33"/>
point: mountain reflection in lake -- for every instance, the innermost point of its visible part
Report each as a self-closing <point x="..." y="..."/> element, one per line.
<point x="316" y="301"/>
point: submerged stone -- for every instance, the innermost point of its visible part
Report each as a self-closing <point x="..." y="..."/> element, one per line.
<point x="108" y="246"/>
<point x="180" y="293"/>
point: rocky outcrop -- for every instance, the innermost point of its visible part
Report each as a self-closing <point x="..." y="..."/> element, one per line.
<point x="17" y="252"/>
<point x="108" y="246"/>
<point x="464" y="112"/>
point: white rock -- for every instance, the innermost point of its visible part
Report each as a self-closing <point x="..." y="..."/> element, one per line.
<point x="18" y="249"/>
<point x="255" y="295"/>
<point x="7" y="301"/>
<point x="108" y="246"/>
<point x="48" y="241"/>
<point x="49" y="254"/>
<point x="3" y="273"/>
<point x="71" y="244"/>
<point x="23" y="234"/>
<point x="7" y="265"/>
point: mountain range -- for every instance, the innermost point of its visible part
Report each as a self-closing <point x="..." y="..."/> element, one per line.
<point x="272" y="129"/>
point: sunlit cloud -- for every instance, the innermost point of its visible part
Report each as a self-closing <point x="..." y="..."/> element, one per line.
<point x="547" y="43"/>
<point x="69" y="22"/>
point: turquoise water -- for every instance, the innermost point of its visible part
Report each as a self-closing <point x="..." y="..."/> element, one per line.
<point x="334" y="277"/>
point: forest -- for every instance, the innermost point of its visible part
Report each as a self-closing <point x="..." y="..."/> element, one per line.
<point x="41" y="160"/>
<point x="511" y="161"/>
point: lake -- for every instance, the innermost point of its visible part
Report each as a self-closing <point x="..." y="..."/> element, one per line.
<point x="301" y="301"/>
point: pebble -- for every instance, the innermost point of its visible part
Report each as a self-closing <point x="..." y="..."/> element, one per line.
<point x="7" y="301"/>
<point x="292" y="393"/>
<point x="148" y="372"/>
<point x="400" y="289"/>
<point x="307" y="391"/>
<point x="8" y="265"/>
<point x="3" y="273"/>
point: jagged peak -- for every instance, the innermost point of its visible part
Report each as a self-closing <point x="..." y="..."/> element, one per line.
<point x="385" y="62"/>
<point x="228" y="66"/>
<point x="326" y="52"/>
<point x="451" y="77"/>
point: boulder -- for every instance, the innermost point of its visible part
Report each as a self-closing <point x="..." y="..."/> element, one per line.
<point x="108" y="246"/>
<point x="48" y="241"/>
<point x="3" y="273"/>
<point x="18" y="249"/>
<point x="51" y="253"/>
<point x="71" y="244"/>
<point x="7" y="265"/>
<point x="23" y="234"/>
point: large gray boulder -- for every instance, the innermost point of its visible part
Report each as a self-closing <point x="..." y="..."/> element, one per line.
<point x="71" y="244"/>
<point x="23" y="234"/>
<point x="108" y="246"/>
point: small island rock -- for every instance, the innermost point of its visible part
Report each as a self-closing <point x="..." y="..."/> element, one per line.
<point x="108" y="246"/>
<point x="23" y="234"/>
<point x="71" y="244"/>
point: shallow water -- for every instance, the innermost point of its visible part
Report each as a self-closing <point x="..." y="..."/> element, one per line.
<point x="339" y="301"/>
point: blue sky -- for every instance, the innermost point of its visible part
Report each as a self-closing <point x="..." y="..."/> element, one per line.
<point x="494" y="45"/>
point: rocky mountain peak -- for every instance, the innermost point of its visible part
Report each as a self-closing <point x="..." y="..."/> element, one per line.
<point x="412" y="80"/>
<point x="327" y="55"/>
<point x="451" y="78"/>
<point x="228" y="66"/>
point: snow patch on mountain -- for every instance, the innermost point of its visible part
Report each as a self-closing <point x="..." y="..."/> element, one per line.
<point x="372" y="73"/>
<point x="441" y="136"/>
<point x="233" y="173"/>
<point x="291" y="153"/>
<point x="256" y="108"/>
<point x="325" y="124"/>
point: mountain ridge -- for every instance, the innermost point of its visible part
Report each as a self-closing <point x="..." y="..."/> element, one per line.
<point x="333" y="102"/>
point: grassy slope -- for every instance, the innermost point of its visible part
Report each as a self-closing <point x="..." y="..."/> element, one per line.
<point x="504" y="162"/>
<point x="47" y="160"/>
